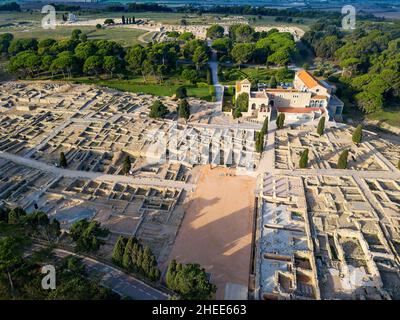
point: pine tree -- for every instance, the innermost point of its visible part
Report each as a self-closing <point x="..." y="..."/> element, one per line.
<point x="357" y="135"/>
<point x="321" y="126"/>
<point x="126" y="166"/>
<point x="118" y="250"/>
<point x="264" y="128"/>
<point x="342" y="162"/>
<point x="63" y="160"/>
<point x="304" y="159"/>
<point x="123" y="19"/>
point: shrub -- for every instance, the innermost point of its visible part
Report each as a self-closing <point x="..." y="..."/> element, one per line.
<point x="158" y="110"/>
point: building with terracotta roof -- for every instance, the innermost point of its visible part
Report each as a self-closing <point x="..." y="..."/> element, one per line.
<point x="308" y="99"/>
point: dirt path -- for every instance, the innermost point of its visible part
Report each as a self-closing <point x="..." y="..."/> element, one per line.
<point x="216" y="230"/>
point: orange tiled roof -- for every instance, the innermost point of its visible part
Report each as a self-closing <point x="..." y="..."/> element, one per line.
<point x="307" y="79"/>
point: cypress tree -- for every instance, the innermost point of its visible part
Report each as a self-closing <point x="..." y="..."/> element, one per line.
<point x="259" y="142"/>
<point x="209" y="77"/>
<point x="184" y="109"/>
<point x="357" y="135"/>
<point x="63" y="160"/>
<point x="170" y="276"/>
<point x="123" y="19"/>
<point x="272" y="82"/>
<point x="181" y="92"/>
<point x="264" y="128"/>
<point x="118" y="250"/>
<point x="280" y="121"/>
<point x="126" y="166"/>
<point x="127" y="259"/>
<point x="304" y="159"/>
<point x="321" y="126"/>
<point x="342" y="162"/>
<point x="398" y="164"/>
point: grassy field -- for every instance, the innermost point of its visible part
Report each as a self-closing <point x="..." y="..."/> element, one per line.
<point x="127" y="37"/>
<point x="391" y="117"/>
<point x="201" y="91"/>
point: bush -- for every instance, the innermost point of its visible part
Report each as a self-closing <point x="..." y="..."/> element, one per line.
<point x="158" y="110"/>
<point x="108" y="21"/>
<point x="342" y="162"/>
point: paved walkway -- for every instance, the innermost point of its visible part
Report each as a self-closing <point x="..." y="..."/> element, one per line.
<point x="95" y="175"/>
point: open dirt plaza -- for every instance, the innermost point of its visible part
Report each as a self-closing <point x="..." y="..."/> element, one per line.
<point x="217" y="227"/>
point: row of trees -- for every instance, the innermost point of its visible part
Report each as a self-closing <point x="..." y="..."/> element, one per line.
<point x="78" y="55"/>
<point x="36" y="224"/>
<point x="244" y="45"/>
<point x="132" y="256"/>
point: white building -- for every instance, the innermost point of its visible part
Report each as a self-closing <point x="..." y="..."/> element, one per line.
<point x="307" y="100"/>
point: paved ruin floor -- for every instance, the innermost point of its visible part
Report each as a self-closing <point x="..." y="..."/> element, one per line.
<point x="216" y="229"/>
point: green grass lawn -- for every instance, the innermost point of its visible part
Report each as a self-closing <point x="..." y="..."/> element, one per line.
<point x="391" y="117"/>
<point x="127" y="37"/>
<point x="200" y="91"/>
